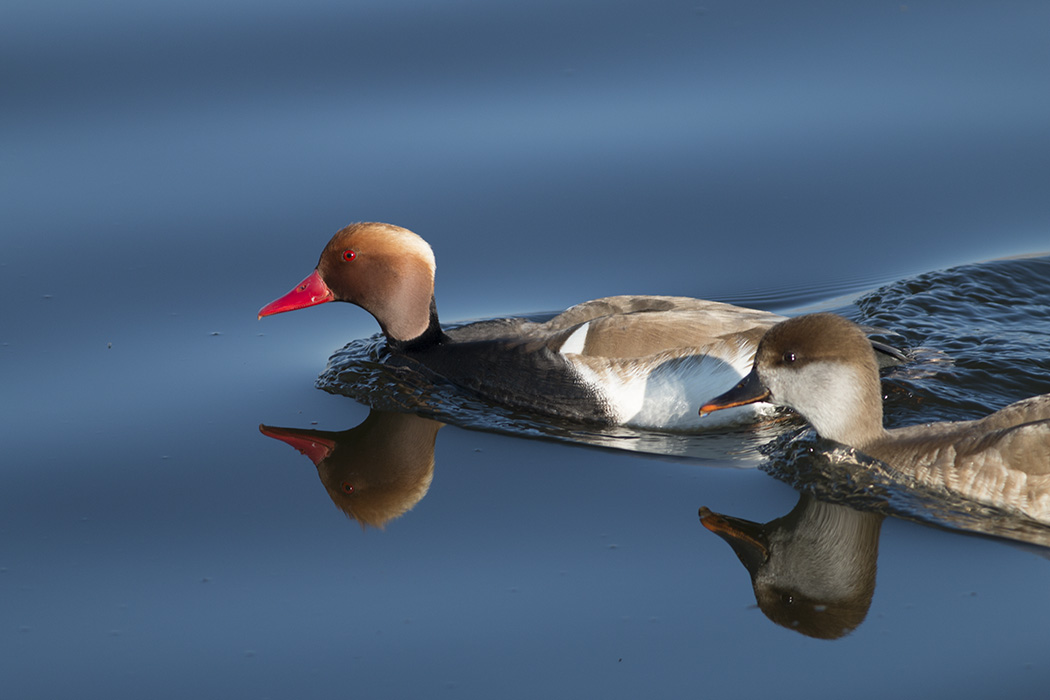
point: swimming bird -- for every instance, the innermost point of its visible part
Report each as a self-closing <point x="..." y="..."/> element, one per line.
<point x="644" y="361"/>
<point x="822" y="366"/>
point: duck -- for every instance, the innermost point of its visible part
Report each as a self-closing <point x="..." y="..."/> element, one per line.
<point x="822" y="367"/>
<point x="634" y="360"/>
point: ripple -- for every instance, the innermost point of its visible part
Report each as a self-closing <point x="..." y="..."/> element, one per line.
<point x="981" y="331"/>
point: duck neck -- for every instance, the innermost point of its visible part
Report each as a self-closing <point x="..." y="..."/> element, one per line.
<point x="855" y="421"/>
<point x="433" y="335"/>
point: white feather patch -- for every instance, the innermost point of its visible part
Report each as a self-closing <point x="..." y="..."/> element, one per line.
<point x="574" y="343"/>
<point x="666" y="390"/>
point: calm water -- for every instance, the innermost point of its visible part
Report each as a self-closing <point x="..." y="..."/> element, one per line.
<point x="167" y="169"/>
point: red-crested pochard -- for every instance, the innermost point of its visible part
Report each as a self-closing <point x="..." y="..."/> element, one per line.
<point x="823" y="367"/>
<point x="645" y="361"/>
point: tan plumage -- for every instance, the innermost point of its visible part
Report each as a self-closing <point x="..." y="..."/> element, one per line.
<point x="822" y="366"/>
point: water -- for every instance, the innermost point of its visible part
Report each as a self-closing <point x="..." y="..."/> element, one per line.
<point x="168" y="169"/>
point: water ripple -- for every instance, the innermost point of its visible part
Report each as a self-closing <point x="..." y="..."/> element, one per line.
<point x="982" y="331"/>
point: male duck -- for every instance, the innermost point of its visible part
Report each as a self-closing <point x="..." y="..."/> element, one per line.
<point x="644" y="361"/>
<point x="822" y="366"/>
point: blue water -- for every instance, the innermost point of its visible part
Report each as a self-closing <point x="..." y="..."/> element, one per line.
<point x="167" y="169"/>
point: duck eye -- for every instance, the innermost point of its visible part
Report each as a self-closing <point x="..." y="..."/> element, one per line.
<point x="348" y="488"/>
<point x="789" y="357"/>
<point x="349" y="255"/>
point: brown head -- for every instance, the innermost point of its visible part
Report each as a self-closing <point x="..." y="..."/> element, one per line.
<point x="822" y="366"/>
<point x="386" y="270"/>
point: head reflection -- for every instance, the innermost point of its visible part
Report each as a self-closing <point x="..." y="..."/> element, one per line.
<point x="374" y="472"/>
<point x="813" y="570"/>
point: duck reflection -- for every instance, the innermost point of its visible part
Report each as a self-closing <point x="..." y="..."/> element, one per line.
<point x="374" y="472"/>
<point x="813" y="570"/>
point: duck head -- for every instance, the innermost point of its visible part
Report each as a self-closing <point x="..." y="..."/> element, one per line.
<point x="386" y="270"/>
<point x="823" y="367"/>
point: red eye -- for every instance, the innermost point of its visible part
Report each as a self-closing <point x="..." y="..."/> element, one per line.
<point x="349" y="255"/>
<point x="347" y="486"/>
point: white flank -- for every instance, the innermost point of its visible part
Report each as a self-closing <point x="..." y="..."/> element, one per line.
<point x="666" y="391"/>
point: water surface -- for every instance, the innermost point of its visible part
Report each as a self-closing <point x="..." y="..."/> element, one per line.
<point x="168" y="169"/>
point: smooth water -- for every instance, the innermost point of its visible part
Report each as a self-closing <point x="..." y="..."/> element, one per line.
<point x="168" y="169"/>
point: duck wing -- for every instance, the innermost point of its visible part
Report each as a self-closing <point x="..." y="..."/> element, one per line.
<point x="639" y="326"/>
